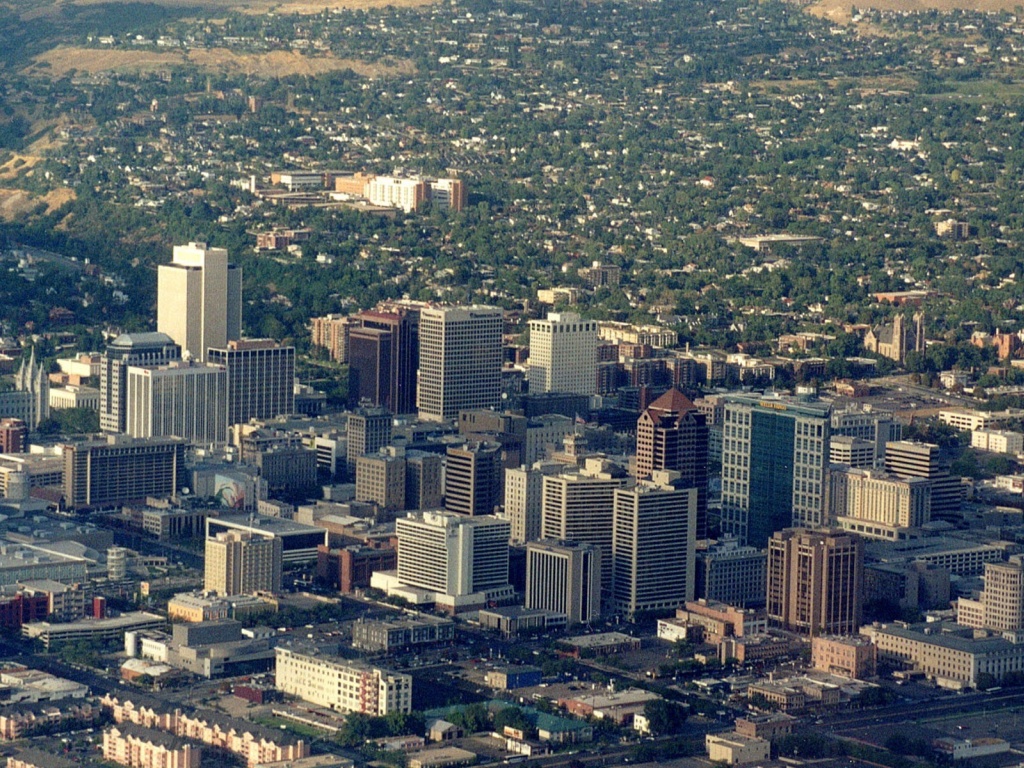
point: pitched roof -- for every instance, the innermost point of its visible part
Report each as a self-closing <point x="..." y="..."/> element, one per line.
<point x="672" y="401"/>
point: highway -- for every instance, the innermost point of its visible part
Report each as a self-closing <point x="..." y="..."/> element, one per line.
<point x="903" y="712"/>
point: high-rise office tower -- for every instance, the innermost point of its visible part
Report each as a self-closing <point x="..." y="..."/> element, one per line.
<point x="673" y="434"/>
<point x="880" y="427"/>
<point x="730" y="573"/>
<point x="564" y="577"/>
<point x="1000" y="606"/>
<point x="563" y="354"/>
<point x="909" y="458"/>
<point x="815" y="581"/>
<point x="460" y="360"/>
<point x="654" y="534"/>
<point x="241" y="563"/>
<point x="452" y="554"/>
<point x="877" y="504"/>
<point x="578" y="506"/>
<point x="369" y="430"/>
<point x="13" y="436"/>
<point x="852" y="451"/>
<point x="369" y="366"/>
<point x="396" y="365"/>
<point x="524" y="498"/>
<point x="774" y="461"/>
<point x="199" y="299"/>
<point x="380" y="478"/>
<point x="184" y="399"/>
<point x="473" y="478"/>
<point x="260" y="378"/>
<point x="109" y="472"/>
<point x="423" y="489"/>
<point x="129" y="349"/>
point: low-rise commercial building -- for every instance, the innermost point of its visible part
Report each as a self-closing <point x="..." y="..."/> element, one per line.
<point x="770" y="726"/>
<point x="850" y="656"/>
<point x="734" y="749"/>
<point x="393" y="634"/>
<point x="949" y="654"/>
<point x="89" y="629"/>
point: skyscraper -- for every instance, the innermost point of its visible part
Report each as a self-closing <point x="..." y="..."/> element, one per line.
<point x="877" y="504"/>
<point x="524" y="498"/>
<point x="673" y="434"/>
<point x="564" y="577"/>
<point x="578" y="506"/>
<point x="369" y="430"/>
<point x="240" y="563"/>
<point x="774" y="459"/>
<point x="199" y="299"/>
<point x="452" y="554"/>
<point x="380" y="478"/>
<point x="460" y="360"/>
<point x="815" y="581"/>
<point x="369" y="366"/>
<point x="184" y="399"/>
<point x="398" y="379"/>
<point x="563" y="354"/>
<point x="1000" y="605"/>
<point x="129" y="349"/>
<point x="423" y="488"/>
<point x="260" y="378"/>
<point x="653" y="544"/>
<point x="111" y="471"/>
<point x="910" y="458"/>
<point x="473" y="478"/>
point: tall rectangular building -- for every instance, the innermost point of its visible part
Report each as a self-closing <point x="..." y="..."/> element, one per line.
<point x="452" y="554"/>
<point x="730" y="573"/>
<point x="396" y="366"/>
<point x="524" y="498"/>
<point x="260" y="378"/>
<point x="654" y="534"/>
<point x="380" y="478"/>
<point x="369" y="430"/>
<point x="423" y="489"/>
<point x="369" y="366"/>
<point x="241" y="563"/>
<point x="877" y="504"/>
<point x="110" y="472"/>
<point x="815" y="581"/>
<point x="129" y="349"/>
<point x="183" y="399"/>
<point x="563" y="354"/>
<point x="579" y="506"/>
<point x="199" y="299"/>
<point x="774" y="460"/>
<point x="1000" y="606"/>
<point x="460" y="360"/>
<point x="472" y="478"/>
<point x="879" y="427"/>
<point x="673" y="434"/>
<point x="910" y="458"/>
<point x="564" y="577"/>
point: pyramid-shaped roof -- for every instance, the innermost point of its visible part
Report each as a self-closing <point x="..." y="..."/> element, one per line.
<point x="672" y="401"/>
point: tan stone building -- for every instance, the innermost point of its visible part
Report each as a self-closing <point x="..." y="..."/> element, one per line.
<point x="815" y="581"/>
<point x="849" y="656"/>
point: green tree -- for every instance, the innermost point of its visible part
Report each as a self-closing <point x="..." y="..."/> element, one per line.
<point x="665" y="717"/>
